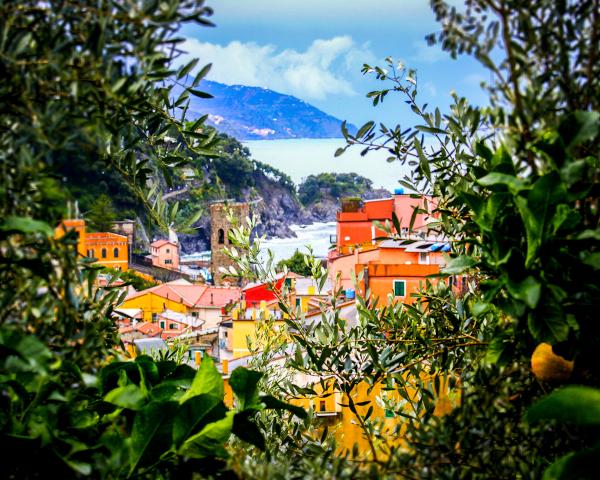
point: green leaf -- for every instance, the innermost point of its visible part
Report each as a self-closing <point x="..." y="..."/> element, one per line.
<point x="552" y="327"/>
<point x="423" y="160"/>
<point x="593" y="260"/>
<point x="129" y="396"/>
<point x="152" y="433"/>
<point x="207" y="380"/>
<point x="589" y="234"/>
<point x="528" y="291"/>
<point x="245" y="429"/>
<point x="573" y="404"/>
<point x="534" y="210"/>
<point x="199" y="93"/>
<point x="276" y="404"/>
<point x="364" y="129"/>
<point x="396" y="223"/>
<point x="244" y="383"/>
<point x="459" y="265"/>
<point x="187" y="68"/>
<point x="194" y="414"/>
<point x="578" y="127"/>
<point x="201" y="74"/>
<point x="574" y="466"/>
<point x="423" y="128"/>
<point x="496" y="350"/>
<point x="25" y="225"/>
<point x="514" y="184"/>
<point x="210" y="441"/>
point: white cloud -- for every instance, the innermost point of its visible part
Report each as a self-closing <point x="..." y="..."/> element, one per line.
<point x="321" y="70"/>
<point x="430" y="89"/>
<point x="474" y="79"/>
<point x="422" y="52"/>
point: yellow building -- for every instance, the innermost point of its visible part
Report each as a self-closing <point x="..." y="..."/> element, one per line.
<point x="202" y="302"/>
<point x="330" y="406"/>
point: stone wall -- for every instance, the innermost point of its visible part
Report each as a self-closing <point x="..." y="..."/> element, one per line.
<point x="220" y="227"/>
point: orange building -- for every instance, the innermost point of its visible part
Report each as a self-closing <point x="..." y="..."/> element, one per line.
<point x="355" y="220"/>
<point x="400" y="269"/>
<point x="110" y="249"/>
<point x="73" y="224"/>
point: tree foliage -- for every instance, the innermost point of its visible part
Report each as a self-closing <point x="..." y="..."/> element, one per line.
<point x="101" y="215"/>
<point x="90" y="81"/>
<point x="516" y="188"/>
<point x="332" y="186"/>
<point x="296" y="263"/>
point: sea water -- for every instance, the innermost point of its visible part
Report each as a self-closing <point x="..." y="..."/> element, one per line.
<point x="316" y="235"/>
<point x="300" y="158"/>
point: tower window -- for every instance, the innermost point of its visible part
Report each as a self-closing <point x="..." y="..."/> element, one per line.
<point x="221" y="236"/>
<point x="104" y="253"/>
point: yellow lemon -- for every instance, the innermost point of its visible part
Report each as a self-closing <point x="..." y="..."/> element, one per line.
<point x="547" y="366"/>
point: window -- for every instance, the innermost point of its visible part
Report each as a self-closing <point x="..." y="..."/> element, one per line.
<point x="221" y="235"/>
<point x="424" y="258"/>
<point x="298" y="302"/>
<point x="155" y="317"/>
<point x="168" y="250"/>
<point x="322" y="406"/>
<point x="168" y="261"/>
<point x="162" y="324"/>
<point x="172" y="326"/>
<point x="116" y="252"/>
<point x="194" y="314"/>
<point x="399" y="288"/>
<point x="90" y="253"/>
<point x="288" y="282"/>
<point x="104" y="253"/>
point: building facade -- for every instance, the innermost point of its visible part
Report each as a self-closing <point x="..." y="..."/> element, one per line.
<point x="110" y="249"/>
<point x="165" y="254"/>
<point x="355" y="220"/>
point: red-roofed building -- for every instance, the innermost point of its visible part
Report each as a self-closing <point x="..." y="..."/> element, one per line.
<point x="203" y="302"/>
<point x="254" y="293"/>
<point x="165" y="254"/>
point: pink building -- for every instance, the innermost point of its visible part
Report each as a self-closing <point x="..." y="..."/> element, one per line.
<point x="165" y="254"/>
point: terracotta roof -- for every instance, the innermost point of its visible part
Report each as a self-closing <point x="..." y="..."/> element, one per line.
<point x="148" y="328"/>
<point x="218" y="296"/>
<point x="192" y="295"/>
<point x="160" y="243"/>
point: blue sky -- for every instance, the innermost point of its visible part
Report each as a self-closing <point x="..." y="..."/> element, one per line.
<point x="314" y="50"/>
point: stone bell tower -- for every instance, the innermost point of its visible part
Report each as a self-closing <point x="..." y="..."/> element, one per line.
<point x="219" y="230"/>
